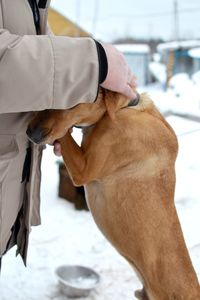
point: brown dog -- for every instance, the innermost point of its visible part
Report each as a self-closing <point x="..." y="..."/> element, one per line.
<point x="126" y="163"/>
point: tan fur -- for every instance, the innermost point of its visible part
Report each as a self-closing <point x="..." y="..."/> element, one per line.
<point x="126" y="164"/>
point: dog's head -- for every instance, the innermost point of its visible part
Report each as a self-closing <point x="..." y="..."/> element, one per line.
<point x="47" y="126"/>
<point x="50" y="125"/>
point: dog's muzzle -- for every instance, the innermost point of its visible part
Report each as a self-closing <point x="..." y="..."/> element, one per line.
<point x="36" y="134"/>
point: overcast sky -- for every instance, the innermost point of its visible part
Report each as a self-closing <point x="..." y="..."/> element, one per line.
<point x="111" y="19"/>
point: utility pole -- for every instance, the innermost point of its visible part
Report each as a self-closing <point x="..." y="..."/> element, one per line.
<point x="95" y="16"/>
<point x="176" y="21"/>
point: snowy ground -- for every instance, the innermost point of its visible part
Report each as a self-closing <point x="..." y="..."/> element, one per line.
<point x="71" y="237"/>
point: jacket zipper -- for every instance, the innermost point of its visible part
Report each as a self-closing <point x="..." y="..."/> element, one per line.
<point x="36" y="15"/>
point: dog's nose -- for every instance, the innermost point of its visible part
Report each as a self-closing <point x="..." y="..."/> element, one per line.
<point x="35" y="134"/>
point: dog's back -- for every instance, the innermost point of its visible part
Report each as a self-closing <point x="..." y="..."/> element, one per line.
<point x="133" y="200"/>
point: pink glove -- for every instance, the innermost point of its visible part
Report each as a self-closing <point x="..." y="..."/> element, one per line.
<point x="119" y="77"/>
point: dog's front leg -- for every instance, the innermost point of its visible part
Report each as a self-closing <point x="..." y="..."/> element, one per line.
<point x="75" y="161"/>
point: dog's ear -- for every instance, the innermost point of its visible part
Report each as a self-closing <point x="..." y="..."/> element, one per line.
<point x="111" y="107"/>
<point x="113" y="102"/>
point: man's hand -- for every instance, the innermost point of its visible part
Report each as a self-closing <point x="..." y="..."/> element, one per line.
<point x="119" y="78"/>
<point x="57" y="148"/>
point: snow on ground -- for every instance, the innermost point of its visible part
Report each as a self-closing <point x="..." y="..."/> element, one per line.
<point x="68" y="236"/>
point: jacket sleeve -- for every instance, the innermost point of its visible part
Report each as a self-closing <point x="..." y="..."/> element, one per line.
<point x="46" y="72"/>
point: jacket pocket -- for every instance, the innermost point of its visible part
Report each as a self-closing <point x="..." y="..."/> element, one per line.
<point x="8" y="150"/>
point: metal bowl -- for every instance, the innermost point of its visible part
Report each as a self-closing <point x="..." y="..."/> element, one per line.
<point x="76" y="281"/>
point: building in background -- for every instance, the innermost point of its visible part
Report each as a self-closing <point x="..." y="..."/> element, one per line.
<point x="138" y="58"/>
<point x="175" y="56"/>
<point x="60" y="25"/>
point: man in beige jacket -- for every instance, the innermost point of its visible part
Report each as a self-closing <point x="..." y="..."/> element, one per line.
<point x="40" y="71"/>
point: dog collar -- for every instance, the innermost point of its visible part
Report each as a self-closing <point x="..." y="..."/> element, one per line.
<point x="135" y="101"/>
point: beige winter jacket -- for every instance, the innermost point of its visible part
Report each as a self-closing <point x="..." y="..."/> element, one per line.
<point x="36" y="73"/>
